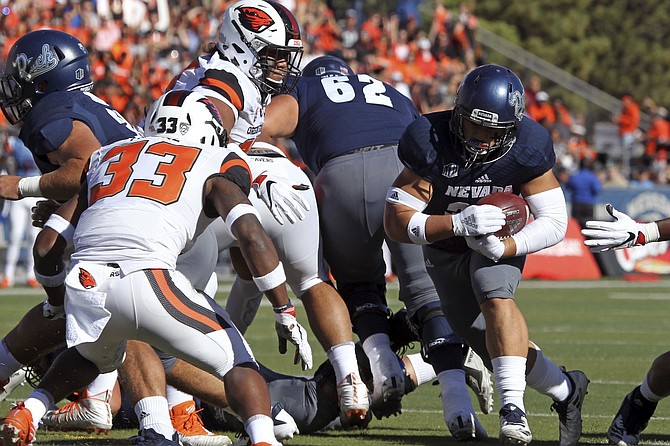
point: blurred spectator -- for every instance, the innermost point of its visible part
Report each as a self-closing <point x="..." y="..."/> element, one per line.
<point x="564" y="119"/>
<point x="541" y="110"/>
<point x="20" y="220"/>
<point x="642" y="178"/>
<point x="584" y="187"/>
<point x="658" y="138"/>
<point x="628" y="121"/>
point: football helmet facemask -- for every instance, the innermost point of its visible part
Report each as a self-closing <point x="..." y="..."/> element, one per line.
<point x="327" y="66"/>
<point x="39" y="63"/>
<point x="489" y="104"/>
<point x="262" y="38"/>
<point x="186" y="116"/>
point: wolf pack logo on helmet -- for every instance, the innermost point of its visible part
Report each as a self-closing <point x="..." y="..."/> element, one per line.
<point x="39" y="63"/>
<point x="254" y="19"/>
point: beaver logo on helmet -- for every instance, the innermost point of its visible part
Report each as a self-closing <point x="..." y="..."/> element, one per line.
<point x="254" y="19"/>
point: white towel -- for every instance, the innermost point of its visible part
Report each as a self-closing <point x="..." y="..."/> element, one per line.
<point x="86" y="315"/>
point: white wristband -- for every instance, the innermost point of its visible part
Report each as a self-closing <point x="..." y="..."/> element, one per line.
<point x="650" y="231"/>
<point x="51" y="281"/>
<point x="29" y="187"/>
<point x="272" y="279"/>
<point x="416" y="228"/>
<point x="236" y="212"/>
<point x="61" y="226"/>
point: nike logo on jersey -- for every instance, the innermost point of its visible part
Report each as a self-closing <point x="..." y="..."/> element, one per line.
<point x="483" y="179"/>
<point x="475" y="191"/>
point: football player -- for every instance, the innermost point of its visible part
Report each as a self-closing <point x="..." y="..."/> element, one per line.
<point x="452" y="158"/>
<point x="257" y="56"/>
<point x="122" y="283"/>
<point x="639" y="405"/>
<point x="45" y="88"/>
<point x="354" y="159"/>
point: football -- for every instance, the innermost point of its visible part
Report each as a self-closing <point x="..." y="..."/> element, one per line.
<point x="515" y="208"/>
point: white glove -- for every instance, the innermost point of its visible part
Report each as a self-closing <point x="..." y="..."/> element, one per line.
<point x="289" y="329"/>
<point x="52" y="312"/>
<point x="623" y="232"/>
<point x="478" y="220"/>
<point x="281" y="198"/>
<point x="487" y="245"/>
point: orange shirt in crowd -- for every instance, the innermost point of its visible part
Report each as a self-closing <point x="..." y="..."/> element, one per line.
<point x="629" y="119"/>
<point x="542" y="112"/>
<point x="658" y="134"/>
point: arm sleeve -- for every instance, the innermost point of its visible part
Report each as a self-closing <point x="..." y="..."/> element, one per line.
<point x="549" y="226"/>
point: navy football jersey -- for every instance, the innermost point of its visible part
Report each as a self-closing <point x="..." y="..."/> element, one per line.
<point x="49" y="123"/>
<point x="431" y="150"/>
<point x="330" y="104"/>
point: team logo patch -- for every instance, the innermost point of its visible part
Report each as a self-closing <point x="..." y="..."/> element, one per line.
<point x="254" y="19"/>
<point x="450" y="170"/>
<point x="517" y="100"/>
<point x="86" y="279"/>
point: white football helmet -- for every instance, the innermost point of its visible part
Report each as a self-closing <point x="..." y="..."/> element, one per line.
<point x="254" y="35"/>
<point x="186" y="116"/>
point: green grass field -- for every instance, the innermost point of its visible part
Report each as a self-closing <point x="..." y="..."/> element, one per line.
<point x="611" y="330"/>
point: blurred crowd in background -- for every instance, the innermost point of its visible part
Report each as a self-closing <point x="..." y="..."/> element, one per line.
<point x="138" y="46"/>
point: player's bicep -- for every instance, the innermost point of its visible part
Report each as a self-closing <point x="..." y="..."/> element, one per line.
<point x="281" y="118"/>
<point x="543" y="183"/>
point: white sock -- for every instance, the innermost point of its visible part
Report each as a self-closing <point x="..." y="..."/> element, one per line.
<point x="455" y="396"/>
<point x="424" y="372"/>
<point x="176" y="396"/>
<point x="38" y="402"/>
<point x="647" y="393"/>
<point x="260" y="428"/>
<point x="343" y="359"/>
<point x="509" y="373"/>
<point x="383" y="361"/>
<point x="8" y="363"/>
<point x="152" y="413"/>
<point x="548" y="379"/>
<point x="104" y="382"/>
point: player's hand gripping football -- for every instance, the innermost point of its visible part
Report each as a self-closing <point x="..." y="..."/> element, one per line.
<point x="623" y="232"/>
<point x="289" y="329"/>
<point x="478" y="220"/>
<point x="487" y="245"/>
<point x="281" y="197"/>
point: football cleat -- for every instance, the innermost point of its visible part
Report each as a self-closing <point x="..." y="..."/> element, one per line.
<point x="17" y="378"/>
<point x="86" y="413"/>
<point x="192" y="432"/>
<point x="465" y="427"/>
<point x="631" y="419"/>
<point x="149" y="437"/>
<point x="17" y="427"/>
<point x="478" y="378"/>
<point x="353" y="399"/>
<point x="6" y="283"/>
<point x="570" y="411"/>
<point x="514" y="429"/>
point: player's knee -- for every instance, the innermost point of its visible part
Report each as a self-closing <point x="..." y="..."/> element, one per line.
<point x="167" y="360"/>
<point x="441" y="347"/>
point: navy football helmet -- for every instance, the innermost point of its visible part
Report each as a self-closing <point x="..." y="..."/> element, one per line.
<point x="490" y="101"/>
<point x="327" y="66"/>
<point x="39" y="63"/>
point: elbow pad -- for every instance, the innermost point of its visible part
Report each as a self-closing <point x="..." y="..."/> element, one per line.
<point x="549" y="226"/>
